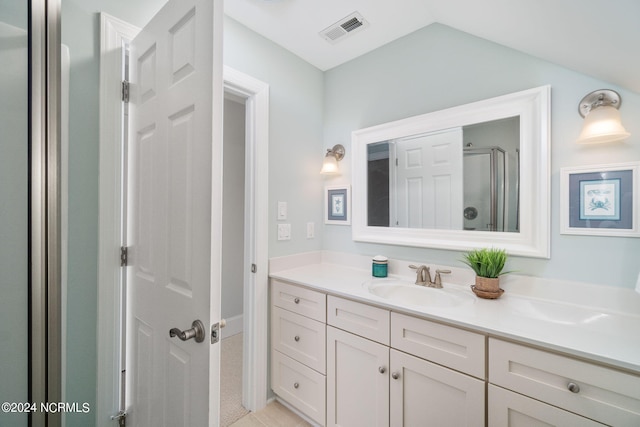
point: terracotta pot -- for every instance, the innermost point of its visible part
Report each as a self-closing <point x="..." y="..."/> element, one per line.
<point x="488" y="284"/>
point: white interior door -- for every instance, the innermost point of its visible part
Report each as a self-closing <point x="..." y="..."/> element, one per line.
<point x="428" y="176"/>
<point x="175" y="165"/>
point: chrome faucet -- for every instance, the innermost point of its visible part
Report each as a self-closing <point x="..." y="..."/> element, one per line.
<point x="423" y="276"/>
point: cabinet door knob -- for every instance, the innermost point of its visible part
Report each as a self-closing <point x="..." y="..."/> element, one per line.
<point x="296" y="385"/>
<point x="395" y="375"/>
<point x="296" y="300"/>
<point x="382" y="369"/>
<point x="573" y="387"/>
<point x="296" y="338"/>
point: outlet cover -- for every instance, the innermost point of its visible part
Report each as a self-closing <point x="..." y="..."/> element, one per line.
<point x="284" y="231"/>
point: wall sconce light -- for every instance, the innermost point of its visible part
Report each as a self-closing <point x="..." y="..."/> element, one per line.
<point x="330" y="163"/>
<point x="601" y="118"/>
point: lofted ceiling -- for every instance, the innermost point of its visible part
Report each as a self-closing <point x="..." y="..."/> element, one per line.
<point x="600" y="38"/>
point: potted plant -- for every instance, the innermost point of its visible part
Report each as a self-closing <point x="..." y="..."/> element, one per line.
<point x="488" y="264"/>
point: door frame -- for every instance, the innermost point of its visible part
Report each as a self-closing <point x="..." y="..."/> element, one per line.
<point x="109" y="341"/>
<point x="255" y="288"/>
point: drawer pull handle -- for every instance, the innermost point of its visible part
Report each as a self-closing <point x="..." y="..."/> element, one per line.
<point x="296" y="385"/>
<point x="296" y="338"/>
<point x="382" y="369"/>
<point x="395" y="375"/>
<point x="296" y="300"/>
<point x="573" y="387"/>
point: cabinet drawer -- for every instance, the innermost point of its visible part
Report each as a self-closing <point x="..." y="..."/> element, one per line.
<point x="509" y="409"/>
<point x="303" y="301"/>
<point x="299" y="337"/>
<point x="360" y="319"/>
<point x="455" y="348"/>
<point x="605" y="395"/>
<point x="299" y="385"/>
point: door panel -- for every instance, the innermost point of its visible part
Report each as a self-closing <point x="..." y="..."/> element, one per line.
<point x="357" y="381"/>
<point x="173" y="278"/>
<point x="421" y="390"/>
<point x="428" y="172"/>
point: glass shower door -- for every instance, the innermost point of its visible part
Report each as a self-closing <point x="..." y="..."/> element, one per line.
<point x="14" y="214"/>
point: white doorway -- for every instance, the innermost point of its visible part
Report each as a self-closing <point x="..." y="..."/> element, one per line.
<point x="115" y="34"/>
<point x="255" y="95"/>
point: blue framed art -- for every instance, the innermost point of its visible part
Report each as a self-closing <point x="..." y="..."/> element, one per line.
<point x="337" y="205"/>
<point x="600" y="200"/>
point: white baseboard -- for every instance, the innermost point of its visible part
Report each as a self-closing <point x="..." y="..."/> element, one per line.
<point x="234" y="326"/>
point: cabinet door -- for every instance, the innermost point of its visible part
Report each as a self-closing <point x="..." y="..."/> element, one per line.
<point x="509" y="409"/>
<point x="423" y="393"/>
<point x="357" y="381"/>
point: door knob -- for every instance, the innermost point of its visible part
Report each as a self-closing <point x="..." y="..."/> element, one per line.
<point x="196" y="331"/>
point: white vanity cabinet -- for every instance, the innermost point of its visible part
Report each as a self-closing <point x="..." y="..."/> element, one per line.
<point x="370" y="383"/>
<point x="298" y="340"/>
<point x="552" y="388"/>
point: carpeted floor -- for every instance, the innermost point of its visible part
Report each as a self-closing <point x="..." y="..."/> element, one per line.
<point x="231" y="408"/>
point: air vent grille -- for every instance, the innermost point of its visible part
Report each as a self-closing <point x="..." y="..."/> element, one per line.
<point x="351" y="24"/>
<point x="346" y="26"/>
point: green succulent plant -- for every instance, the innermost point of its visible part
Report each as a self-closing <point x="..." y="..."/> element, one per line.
<point x="486" y="262"/>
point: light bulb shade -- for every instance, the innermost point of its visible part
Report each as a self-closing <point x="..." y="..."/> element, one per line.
<point x="330" y="165"/>
<point x="602" y="124"/>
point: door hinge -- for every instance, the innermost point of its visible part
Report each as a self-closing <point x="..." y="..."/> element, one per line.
<point x="121" y="418"/>
<point x="125" y="91"/>
<point x="124" y="256"/>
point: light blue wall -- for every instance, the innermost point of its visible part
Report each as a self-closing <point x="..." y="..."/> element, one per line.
<point x="295" y="133"/>
<point x="439" y="67"/>
<point x="14" y="249"/>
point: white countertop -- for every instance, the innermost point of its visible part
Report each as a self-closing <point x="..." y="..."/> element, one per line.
<point x="600" y="323"/>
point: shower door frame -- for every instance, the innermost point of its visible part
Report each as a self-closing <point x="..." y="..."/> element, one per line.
<point x="45" y="253"/>
<point x="493" y="172"/>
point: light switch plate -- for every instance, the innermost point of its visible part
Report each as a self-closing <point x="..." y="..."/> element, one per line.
<point x="282" y="211"/>
<point x="310" y="230"/>
<point x="284" y="231"/>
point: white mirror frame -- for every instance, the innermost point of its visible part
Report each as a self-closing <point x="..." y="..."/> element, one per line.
<point x="533" y="240"/>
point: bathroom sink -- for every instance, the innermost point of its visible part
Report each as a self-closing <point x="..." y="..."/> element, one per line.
<point x="406" y="292"/>
<point x="555" y="312"/>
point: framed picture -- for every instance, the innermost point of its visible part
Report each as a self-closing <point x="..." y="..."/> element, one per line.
<point x="600" y="200"/>
<point x="337" y="205"/>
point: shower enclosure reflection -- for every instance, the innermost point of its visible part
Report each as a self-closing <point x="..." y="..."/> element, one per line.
<point x="462" y="178"/>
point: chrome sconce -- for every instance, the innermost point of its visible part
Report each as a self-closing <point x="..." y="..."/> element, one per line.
<point x="331" y="159"/>
<point x="601" y="118"/>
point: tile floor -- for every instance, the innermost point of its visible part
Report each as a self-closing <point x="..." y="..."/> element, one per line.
<point x="274" y="415"/>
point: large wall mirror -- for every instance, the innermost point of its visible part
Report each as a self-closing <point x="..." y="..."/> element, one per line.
<point x="475" y="175"/>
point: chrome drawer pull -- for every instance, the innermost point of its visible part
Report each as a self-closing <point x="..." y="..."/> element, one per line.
<point x="296" y="300"/>
<point x="296" y="385"/>
<point x="395" y="375"/>
<point x="382" y="369"/>
<point x="573" y="387"/>
<point x="296" y="338"/>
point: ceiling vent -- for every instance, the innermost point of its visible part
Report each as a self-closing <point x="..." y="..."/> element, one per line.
<point x="346" y="26"/>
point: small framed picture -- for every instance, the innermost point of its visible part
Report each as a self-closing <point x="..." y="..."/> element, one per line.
<point x="337" y="205"/>
<point x="600" y="200"/>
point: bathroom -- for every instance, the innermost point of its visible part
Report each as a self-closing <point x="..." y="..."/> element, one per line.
<point x="311" y="110"/>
